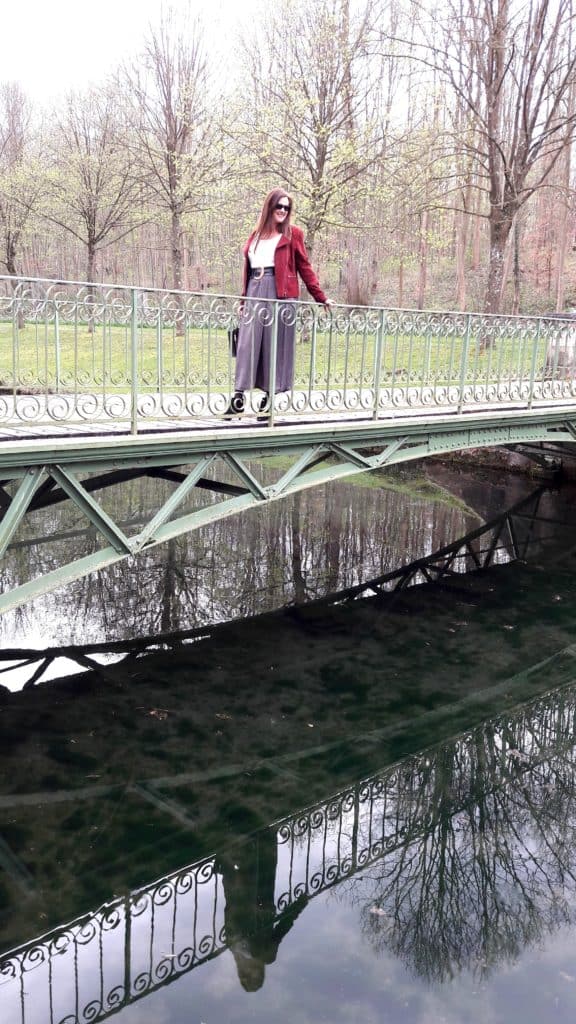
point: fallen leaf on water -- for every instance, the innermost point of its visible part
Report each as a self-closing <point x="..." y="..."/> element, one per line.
<point x="160" y="713"/>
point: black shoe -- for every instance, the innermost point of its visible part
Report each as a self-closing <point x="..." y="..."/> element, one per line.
<point x="264" y="406"/>
<point x="237" y="403"/>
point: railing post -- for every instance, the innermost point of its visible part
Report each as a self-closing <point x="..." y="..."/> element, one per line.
<point x="464" y="361"/>
<point x="127" y="948"/>
<point x="159" y="351"/>
<point x="15" y="347"/>
<point x="58" y="366"/>
<point x="273" y="356"/>
<point x="535" y="346"/>
<point x="378" y="364"/>
<point x="134" y="360"/>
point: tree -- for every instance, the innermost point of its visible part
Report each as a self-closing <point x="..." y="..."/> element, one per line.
<point x="22" y="183"/>
<point x="512" y="66"/>
<point x="311" y="115"/>
<point x="94" y="187"/>
<point x="175" y="138"/>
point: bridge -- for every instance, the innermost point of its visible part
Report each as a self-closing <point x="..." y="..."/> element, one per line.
<point x="100" y="383"/>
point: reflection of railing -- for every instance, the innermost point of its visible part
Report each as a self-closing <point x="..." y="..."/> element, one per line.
<point x="511" y="535"/>
<point x="481" y="824"/>
<point x="504" y="538"/>
<point x="78" y="353"/>
<point x="130" y="947"/>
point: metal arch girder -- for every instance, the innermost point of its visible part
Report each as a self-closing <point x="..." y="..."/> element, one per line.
<point x="320" y="461"/>
<point x="162" y="527"/>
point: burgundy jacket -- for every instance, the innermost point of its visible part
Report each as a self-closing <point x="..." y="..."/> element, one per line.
<point x="290" y="259"/>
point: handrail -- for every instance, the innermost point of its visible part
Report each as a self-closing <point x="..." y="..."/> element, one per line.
<point x="75" y="354"/>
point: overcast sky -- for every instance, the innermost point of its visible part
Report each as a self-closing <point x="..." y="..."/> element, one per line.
<point x="50" y="46"/>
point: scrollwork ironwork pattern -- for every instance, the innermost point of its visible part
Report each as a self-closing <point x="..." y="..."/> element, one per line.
<point x="73" y="353"/>
<point x="82" y="942"/>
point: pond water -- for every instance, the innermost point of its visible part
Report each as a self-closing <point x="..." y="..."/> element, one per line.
<point x="214" y="811"/>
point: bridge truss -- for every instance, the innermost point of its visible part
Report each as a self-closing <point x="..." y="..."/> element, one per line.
<point x="35" y="474"/>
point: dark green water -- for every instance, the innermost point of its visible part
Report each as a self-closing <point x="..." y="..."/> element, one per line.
<point x="352" y="813"/>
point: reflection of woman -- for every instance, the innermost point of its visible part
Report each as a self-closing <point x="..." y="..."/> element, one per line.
<point x="254" y="931"/>
<point x="274" y="256"/>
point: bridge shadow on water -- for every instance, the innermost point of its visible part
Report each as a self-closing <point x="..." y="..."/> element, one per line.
<point x="199" y="792"/>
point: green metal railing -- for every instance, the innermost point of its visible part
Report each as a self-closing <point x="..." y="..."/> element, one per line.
<point x="76" y="353"/>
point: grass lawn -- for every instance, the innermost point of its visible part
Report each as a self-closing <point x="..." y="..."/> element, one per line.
<point x="34" y="356"/>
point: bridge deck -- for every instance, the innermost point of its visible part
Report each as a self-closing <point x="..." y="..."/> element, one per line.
<point x="472" y="428"/>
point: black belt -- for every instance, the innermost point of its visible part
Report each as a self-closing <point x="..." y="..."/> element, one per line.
<point x="259" y="272"/>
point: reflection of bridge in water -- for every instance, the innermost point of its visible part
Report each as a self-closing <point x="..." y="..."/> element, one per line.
<point x="478" y="826"/>
<point x="520" y="533"/>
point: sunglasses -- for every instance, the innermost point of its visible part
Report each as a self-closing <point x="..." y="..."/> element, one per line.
<point x="282" y="206"/>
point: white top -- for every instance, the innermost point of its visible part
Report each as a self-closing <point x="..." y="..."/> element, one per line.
<point x="261" y="251"/>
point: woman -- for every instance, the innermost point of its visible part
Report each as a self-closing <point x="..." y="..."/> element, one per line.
<point x="274" y="255"/>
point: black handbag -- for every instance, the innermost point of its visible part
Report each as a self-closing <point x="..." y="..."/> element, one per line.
<point x="233" y="340"/>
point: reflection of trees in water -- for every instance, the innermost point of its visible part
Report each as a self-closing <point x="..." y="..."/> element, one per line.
<point x="459" y="858"/>
<point x="304" y="547"/>
<point x="485" y="860"/>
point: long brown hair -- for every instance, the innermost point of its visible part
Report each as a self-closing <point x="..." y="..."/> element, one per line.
<point x="266" y="225"/>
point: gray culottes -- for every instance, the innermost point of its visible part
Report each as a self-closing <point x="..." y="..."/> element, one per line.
<point x="255" y="339"/>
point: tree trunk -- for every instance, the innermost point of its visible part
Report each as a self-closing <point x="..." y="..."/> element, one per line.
<point x="177" y="253"/>
<point x="90" y="271"/>
<point x="422" y="260"/>
<point x="310" y="238"/>
<point x="461" y="243"/>
<point x="506" y="271"/>
<point x="516" y="265"/>
<point x="477" y="237"/>
<point x="177" y="265"/>
<point x="20" y="317"/>
<point x="500" y="227"/>
<point x="91" y="262"/>
<point x="11" y="257"/>
<point x="462" y="236"/>
<point x="563" y="233"/>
